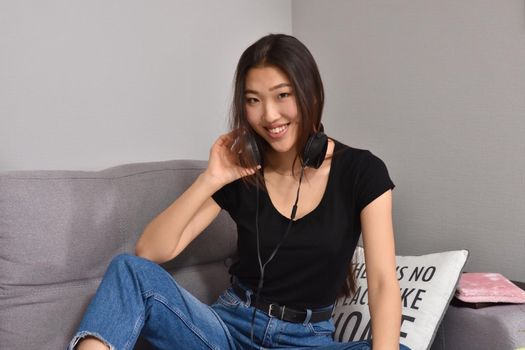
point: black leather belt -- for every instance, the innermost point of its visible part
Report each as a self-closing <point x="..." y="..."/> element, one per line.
<point x="282" y="312"/>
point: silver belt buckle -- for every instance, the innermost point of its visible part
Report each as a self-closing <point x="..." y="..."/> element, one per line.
<point x="270" y="309"/>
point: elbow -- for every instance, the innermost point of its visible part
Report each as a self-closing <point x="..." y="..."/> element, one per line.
<point x="151" y="246"/>
<point x="140" y="248"/>
<point x="145" y="252"/>
<point x="148" y="255"/>
<point x="141" y="251"/>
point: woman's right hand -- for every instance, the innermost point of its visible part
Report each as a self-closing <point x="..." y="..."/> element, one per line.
<point x="223" y="165"/>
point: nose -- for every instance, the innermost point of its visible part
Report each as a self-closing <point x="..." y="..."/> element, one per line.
<point x="270" y="113"/>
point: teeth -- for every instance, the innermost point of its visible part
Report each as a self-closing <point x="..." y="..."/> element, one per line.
<point x="277" y="130"/>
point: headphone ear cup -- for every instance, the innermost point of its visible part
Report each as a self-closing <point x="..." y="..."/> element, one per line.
<point x="315" y="150"/>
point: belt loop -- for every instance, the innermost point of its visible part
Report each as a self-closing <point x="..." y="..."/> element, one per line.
<point x="308" y="316"/>
<point x="248" y="297"/>
<point x="282" y="311"/>
<point x="247" y="292"/>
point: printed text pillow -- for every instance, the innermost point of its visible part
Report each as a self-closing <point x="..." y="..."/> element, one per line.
<point x="427" y="284"/>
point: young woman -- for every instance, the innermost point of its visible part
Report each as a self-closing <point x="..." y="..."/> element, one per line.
<point x="294" y="260"/>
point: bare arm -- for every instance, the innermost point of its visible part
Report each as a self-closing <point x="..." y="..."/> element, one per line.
<point x="173" y="229"/>
<point x="384" y="300"/>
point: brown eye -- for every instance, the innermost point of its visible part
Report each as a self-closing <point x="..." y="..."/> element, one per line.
<point x="251" y="100"/>
<point x="284" y="95"/>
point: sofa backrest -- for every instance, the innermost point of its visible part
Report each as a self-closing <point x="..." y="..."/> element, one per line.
<point x="60" y="229"/>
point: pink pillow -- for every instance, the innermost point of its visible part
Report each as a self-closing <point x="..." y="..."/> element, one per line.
<point x="479" y="287"/>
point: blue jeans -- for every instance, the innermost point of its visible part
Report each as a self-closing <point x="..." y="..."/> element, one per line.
<point x="138" y="297"/>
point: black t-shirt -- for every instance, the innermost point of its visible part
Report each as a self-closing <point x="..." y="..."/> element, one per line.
<point x="311" y="265"/>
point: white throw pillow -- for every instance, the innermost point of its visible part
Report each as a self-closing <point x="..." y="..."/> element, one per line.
<point x="427" y="284"/>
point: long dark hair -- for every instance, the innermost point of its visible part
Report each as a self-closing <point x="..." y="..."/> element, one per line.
<point x="294" y="59"/>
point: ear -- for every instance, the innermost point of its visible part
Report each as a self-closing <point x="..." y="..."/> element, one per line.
<point x="318" y="128"/>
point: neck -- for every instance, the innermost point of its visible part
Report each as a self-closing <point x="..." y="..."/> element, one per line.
<point x="282" y="163"/>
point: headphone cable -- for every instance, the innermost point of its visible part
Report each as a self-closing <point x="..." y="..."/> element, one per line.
<point x="261" y="265"/>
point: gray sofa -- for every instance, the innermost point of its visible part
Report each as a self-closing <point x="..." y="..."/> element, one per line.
<point x="60" y="229"/>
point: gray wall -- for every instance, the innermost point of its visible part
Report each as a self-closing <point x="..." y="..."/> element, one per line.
<point x="91" y="84"/>
<point x="437" y="90"/>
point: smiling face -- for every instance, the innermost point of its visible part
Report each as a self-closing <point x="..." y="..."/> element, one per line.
<point x="271" y="108"/>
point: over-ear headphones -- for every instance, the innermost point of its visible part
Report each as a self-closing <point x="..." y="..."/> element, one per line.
<point x="315" y="150"/>
<point x="313" y="154"/>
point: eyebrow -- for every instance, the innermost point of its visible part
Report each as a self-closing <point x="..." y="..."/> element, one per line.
<point x="278" y="86"/>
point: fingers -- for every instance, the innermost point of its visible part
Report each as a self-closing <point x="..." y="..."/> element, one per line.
<point x="222" y="140"/>
<point x="248" y="171"/>
<point x="229" y="136"/>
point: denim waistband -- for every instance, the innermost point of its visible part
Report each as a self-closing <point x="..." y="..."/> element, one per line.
<point x="282" y="312"/>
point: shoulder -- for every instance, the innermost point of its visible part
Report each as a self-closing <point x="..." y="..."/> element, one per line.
<point x="227" y="194"/>
<point x="364" y="174"/>
<point x="356" y="160"/>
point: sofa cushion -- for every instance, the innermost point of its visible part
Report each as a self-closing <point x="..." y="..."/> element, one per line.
<point x="60" y="229"/>
<point x="61" y="226"/>
<point x="495" y="327"/>
<point x="427" y="285"/>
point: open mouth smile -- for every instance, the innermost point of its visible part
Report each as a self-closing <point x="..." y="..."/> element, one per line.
<point x="277" y="131"/>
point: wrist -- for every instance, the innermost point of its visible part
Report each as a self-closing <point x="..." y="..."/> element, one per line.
<point x="210" y="181"/>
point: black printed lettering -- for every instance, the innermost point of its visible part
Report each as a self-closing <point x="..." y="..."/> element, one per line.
<point x="354" y="315"/>
<point x="421" y="272"/>
<point x="405" y="294"/>
<point x="416" y="273"/>
<point x="417" y="298"/>
<point x="401" y="272"/>
<point x="364" y="298"/>
<point x="367" y="332"/>
<point x="429" y="273"/>
<point x="360" y="271"/>
<point x="403" y="319"/>
<point x="355" y="297"/>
